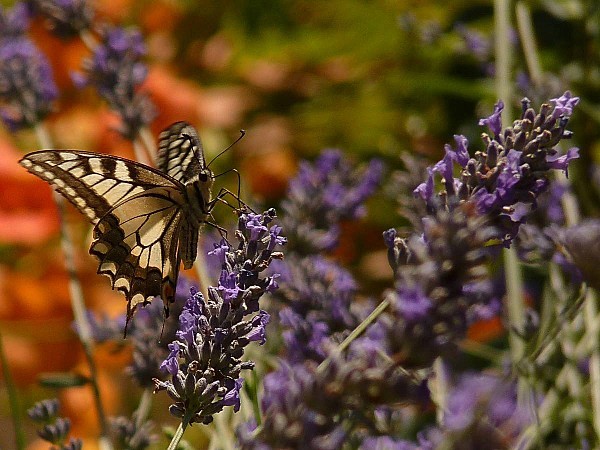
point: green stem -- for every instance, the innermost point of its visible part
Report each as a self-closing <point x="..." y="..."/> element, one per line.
<point x="503" y="51"/>
<point x="88" y="39"/>
<point x="146" y="138"/>
<point x="13" y="399"/>
<point x="514" y="278"/>
<point x="143" y="408"/>
<point x="357" y="331"/>
<point x="223" y="438"/>
<point x="139" y="152"/>
<point x="528" y="43"/>
<point x="177" y="437"/>
<point x="592" y="329"/>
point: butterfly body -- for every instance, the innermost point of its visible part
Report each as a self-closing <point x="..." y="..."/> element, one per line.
<point x="146" y="220"/>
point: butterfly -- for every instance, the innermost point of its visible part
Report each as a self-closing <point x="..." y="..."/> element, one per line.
<point x="146" y="220"/>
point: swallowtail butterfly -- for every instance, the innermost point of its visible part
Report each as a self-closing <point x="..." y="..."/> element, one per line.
<point x="146" y="221"/>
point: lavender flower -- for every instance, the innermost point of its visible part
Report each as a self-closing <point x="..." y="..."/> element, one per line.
<point x="308" y="407"/>
<point x="205" y="359"/>
<point x="476" y="43"/>
<point x="44" y="411"/>
<point x="388" y="443"/>
<point x="27" y="90"/>
<point x="318" y="296"/>
<point x="505" y="180"/>
<point x="14" y="22"/>
<point x="481" y="412"/>
<point x="116" y="71"/>
<point x="66" y="18"/>
<point x="322" y="195"/>
<point x="440" y="285"/>
<point x="131" y="435"/>
<point x="55" y="429"/>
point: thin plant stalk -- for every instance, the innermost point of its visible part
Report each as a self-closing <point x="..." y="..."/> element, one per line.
<point x="146" y="138"/>
<point x="223" y="437"/>
<point x="140" y="154"/>
<point x="357" y="331"/>
<point x="514" y="277"/>
<point x="88" y="39"/>
<point x="13" y="399"/>
<point x="143" y="408"/>
<point x="528" y="43"/>
<point x="177" y="436"/>
<point x="77" y="301"/>
<point x="591" y="323"/>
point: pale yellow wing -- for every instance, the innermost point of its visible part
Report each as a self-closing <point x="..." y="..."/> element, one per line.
<point x="137" y="245"/>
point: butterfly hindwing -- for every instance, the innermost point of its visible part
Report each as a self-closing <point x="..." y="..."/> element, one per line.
<point x="180" y="153"/>
<point x="137" y="245"/>
<point x="94" y="183"/>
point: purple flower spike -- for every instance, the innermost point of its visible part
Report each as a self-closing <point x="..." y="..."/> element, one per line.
<point x="232" y="397"/>
<point x="206" y="358"/>
<point x="14" y="22"/>
<point x="324" y="194"/>
<point x="426" y="190"/>
<point x="505" y="180"/>
<point x="116" y="70"/>
<point x="27" y="89"/>
<point x="413" y="304"/>
<point x="66" y="18"/>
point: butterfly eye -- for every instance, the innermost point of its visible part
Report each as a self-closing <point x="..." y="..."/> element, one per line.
<point x="203" y="176"/>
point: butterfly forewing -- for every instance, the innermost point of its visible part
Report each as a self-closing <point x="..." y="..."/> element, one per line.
<point x="146" y="220"/>
<point x="92" y="182"/>
<point x="180" y="153"/>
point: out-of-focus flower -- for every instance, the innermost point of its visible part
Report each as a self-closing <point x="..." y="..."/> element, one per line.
<point x="14" y="22"/>
<point x="27" y="89"/>
<point x="54" y="429"/>
<point x="322" y="195"/>
<point x="44" y="410"/>
<point x="131" y="435"/>
<point x="481" y="412"/>
<point x="476" y="43"/>
<point x="308" y="407"/>
<point x="389" y="443"/>
<point x="317" y="295"/>
<point x="116" y="70"/>
<point x="65" y="18"/>
<point x="440" y="285"/>
<point x="205" y="359"/>
<point x="582" y="243"/>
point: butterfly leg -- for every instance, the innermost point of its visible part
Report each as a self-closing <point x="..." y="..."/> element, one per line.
<point x="239" y="184"/>
<point x="220" y="198"/>
<point x="222" y="231"/>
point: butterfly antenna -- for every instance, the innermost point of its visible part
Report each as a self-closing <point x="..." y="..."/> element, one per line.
<point x="242" y="134"/>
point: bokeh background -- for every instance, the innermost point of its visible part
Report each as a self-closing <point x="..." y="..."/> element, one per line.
<point x="373" y="78"/>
